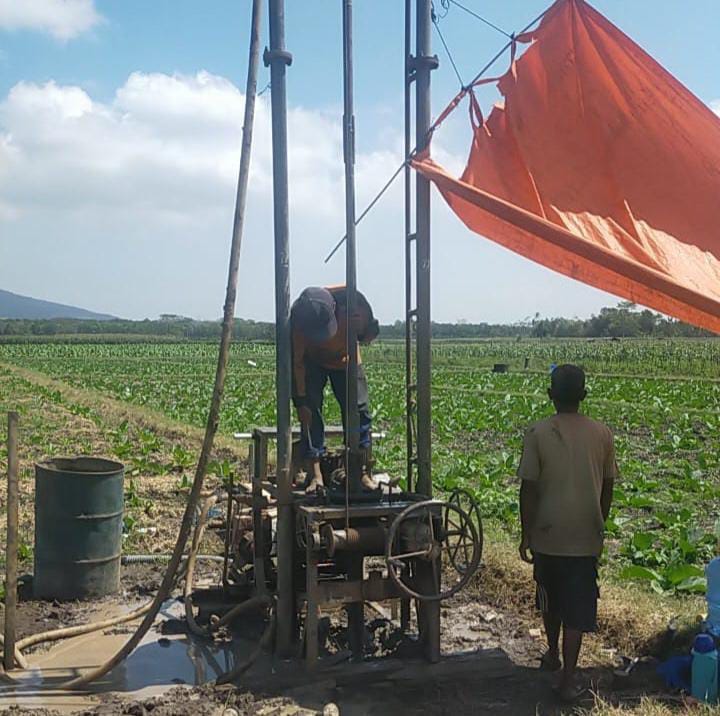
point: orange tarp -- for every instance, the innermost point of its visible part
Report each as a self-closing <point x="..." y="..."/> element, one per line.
<point x="600" y="165"/>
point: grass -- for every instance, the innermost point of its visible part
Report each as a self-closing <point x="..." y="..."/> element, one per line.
<point x="59" y="420"/>
<point x="632" y="620"/>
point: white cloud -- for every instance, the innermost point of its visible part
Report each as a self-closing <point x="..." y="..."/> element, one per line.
<point x="154" y="172"/>
<point x="63" y="19"/>
<point x="126" y="207"/>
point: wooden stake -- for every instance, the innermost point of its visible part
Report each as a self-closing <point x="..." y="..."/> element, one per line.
<point x="11" y="549"/>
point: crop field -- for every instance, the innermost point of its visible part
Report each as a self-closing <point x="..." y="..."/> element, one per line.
<point x="661" y="398"/>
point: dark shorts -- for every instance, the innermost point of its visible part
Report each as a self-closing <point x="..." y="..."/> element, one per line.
<point x="567" y="588"/>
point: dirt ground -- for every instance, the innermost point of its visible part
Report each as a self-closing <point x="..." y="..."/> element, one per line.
<point x="490" y="666"/>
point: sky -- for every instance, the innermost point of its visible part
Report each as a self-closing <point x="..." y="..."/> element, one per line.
<point x="120" y="128"/>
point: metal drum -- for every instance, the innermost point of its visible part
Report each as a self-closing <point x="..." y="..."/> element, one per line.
<point x="78" y="527"/>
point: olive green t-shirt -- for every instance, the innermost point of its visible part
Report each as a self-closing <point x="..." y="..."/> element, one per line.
<point x="568" y="456"/>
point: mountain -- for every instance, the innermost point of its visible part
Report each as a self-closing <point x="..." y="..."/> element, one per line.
<point x="14" y="306"/>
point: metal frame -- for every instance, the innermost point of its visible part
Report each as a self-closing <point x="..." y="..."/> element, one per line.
<point x="417" y="253"/>
<point x="417" y="71"/>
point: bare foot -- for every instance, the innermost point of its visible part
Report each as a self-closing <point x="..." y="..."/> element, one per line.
<point x="550" y="661"/>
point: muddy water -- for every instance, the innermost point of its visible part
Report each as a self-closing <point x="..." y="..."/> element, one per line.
<point x="157" y="664"/>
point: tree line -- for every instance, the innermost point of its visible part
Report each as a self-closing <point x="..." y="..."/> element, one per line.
<point x="622" y="321"/>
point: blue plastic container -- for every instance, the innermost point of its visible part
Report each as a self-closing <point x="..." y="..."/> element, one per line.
<point x="712" y="573"/>
<point x="704" y="675"/>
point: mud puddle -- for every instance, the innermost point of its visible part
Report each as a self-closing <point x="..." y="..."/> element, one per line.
<point x="162" y="660"/>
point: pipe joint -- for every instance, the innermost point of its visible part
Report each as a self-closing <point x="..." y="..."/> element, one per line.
<point x="282" y="57"/>
<point x="423" y="62"/>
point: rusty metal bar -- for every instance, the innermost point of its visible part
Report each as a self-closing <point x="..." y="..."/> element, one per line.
<point x="312" y="604"/>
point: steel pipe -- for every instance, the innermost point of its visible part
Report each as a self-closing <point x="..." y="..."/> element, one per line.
<point x="278" y="59"/>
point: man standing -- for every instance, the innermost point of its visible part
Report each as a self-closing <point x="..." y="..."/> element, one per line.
<point x="319" y="325"/>
<point x="567" y="470"/>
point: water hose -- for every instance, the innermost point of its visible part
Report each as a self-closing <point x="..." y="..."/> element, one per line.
<point x="247" y="605"/>
<point x="67" y="632"/>
<point x="80" y="629"/>
<point x="264" y="643"/>
<point x="225" y="340"/>
<point x="19" y="658"/>
<point x="194" y="627"/>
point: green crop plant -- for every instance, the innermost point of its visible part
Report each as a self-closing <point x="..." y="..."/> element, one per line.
<point x="660" y="397"/>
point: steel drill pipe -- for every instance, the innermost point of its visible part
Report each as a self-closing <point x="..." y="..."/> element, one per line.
<point x="278" y="58"/>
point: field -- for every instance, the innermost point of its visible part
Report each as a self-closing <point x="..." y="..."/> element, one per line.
<point x="661" y="398"/>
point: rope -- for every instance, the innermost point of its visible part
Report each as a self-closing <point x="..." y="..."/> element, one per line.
<point x="508" y="44"/>
<point x="447" y="49"/>
<point x="407" y="160"/>
<point x="480" y="17"/>
<point x="367" y="209"/>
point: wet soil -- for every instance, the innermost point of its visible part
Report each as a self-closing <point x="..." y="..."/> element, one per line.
<point x="138" y="583"/>
<point x="490" y="667"/>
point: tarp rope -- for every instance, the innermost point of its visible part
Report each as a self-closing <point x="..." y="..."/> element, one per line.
<point x="456" y="100"/>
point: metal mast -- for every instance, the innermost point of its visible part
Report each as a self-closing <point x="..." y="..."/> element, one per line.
<point x="424" y="63"/>
<point x="353" y="462"/>
<point x="352" y="418"/>
<point x="278" y="59"/>
<point x="410" y="386"/>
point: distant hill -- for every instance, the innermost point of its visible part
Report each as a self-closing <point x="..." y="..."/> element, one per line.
<point x="14" y="306"/>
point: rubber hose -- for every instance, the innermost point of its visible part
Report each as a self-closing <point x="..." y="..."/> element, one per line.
<point x="195" y="628"/>
<point x="67" y="632"/>
<point x="260" y="600"/>
<point x="20" y="660"/>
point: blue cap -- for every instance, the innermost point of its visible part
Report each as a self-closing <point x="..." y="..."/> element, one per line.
<point x="703" y="644"/>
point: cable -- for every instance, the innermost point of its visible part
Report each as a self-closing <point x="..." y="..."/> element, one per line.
<point x="495" y="58"/>
<point x="445" y="5"/>
<point x="508" y="45"/>
<point x="480" y="17"/>
<point x="370" y="205"/>
<point x="447" y="49"/>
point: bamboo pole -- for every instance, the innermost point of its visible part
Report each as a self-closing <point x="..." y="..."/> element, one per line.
<point x="11" y="548"/>
<point x="225" y="339"/>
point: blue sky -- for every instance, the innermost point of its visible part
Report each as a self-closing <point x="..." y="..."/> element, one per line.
<point x="121" y="122"/>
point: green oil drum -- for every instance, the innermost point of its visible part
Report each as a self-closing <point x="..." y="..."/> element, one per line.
<point x="78" y="528"/>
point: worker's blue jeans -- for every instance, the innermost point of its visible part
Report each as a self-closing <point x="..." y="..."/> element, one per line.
<point x="316" y="378"/>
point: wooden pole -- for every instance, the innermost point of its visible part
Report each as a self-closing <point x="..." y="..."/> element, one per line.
<point x="11" y="549"/>
<point x="223" y="355"/>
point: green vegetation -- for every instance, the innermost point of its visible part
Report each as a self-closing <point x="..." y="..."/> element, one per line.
<point x="661" y="398"/>
<point x="624" y="320"/>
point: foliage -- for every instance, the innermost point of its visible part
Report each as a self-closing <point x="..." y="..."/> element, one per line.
<point x="660" y="397"/>
<point x="622" y="320"/>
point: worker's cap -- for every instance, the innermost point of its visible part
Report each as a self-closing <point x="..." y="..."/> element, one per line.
<point x="313" y="313"/>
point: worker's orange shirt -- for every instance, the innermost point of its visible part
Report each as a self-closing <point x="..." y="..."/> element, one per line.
<point x="330" y="354"/>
